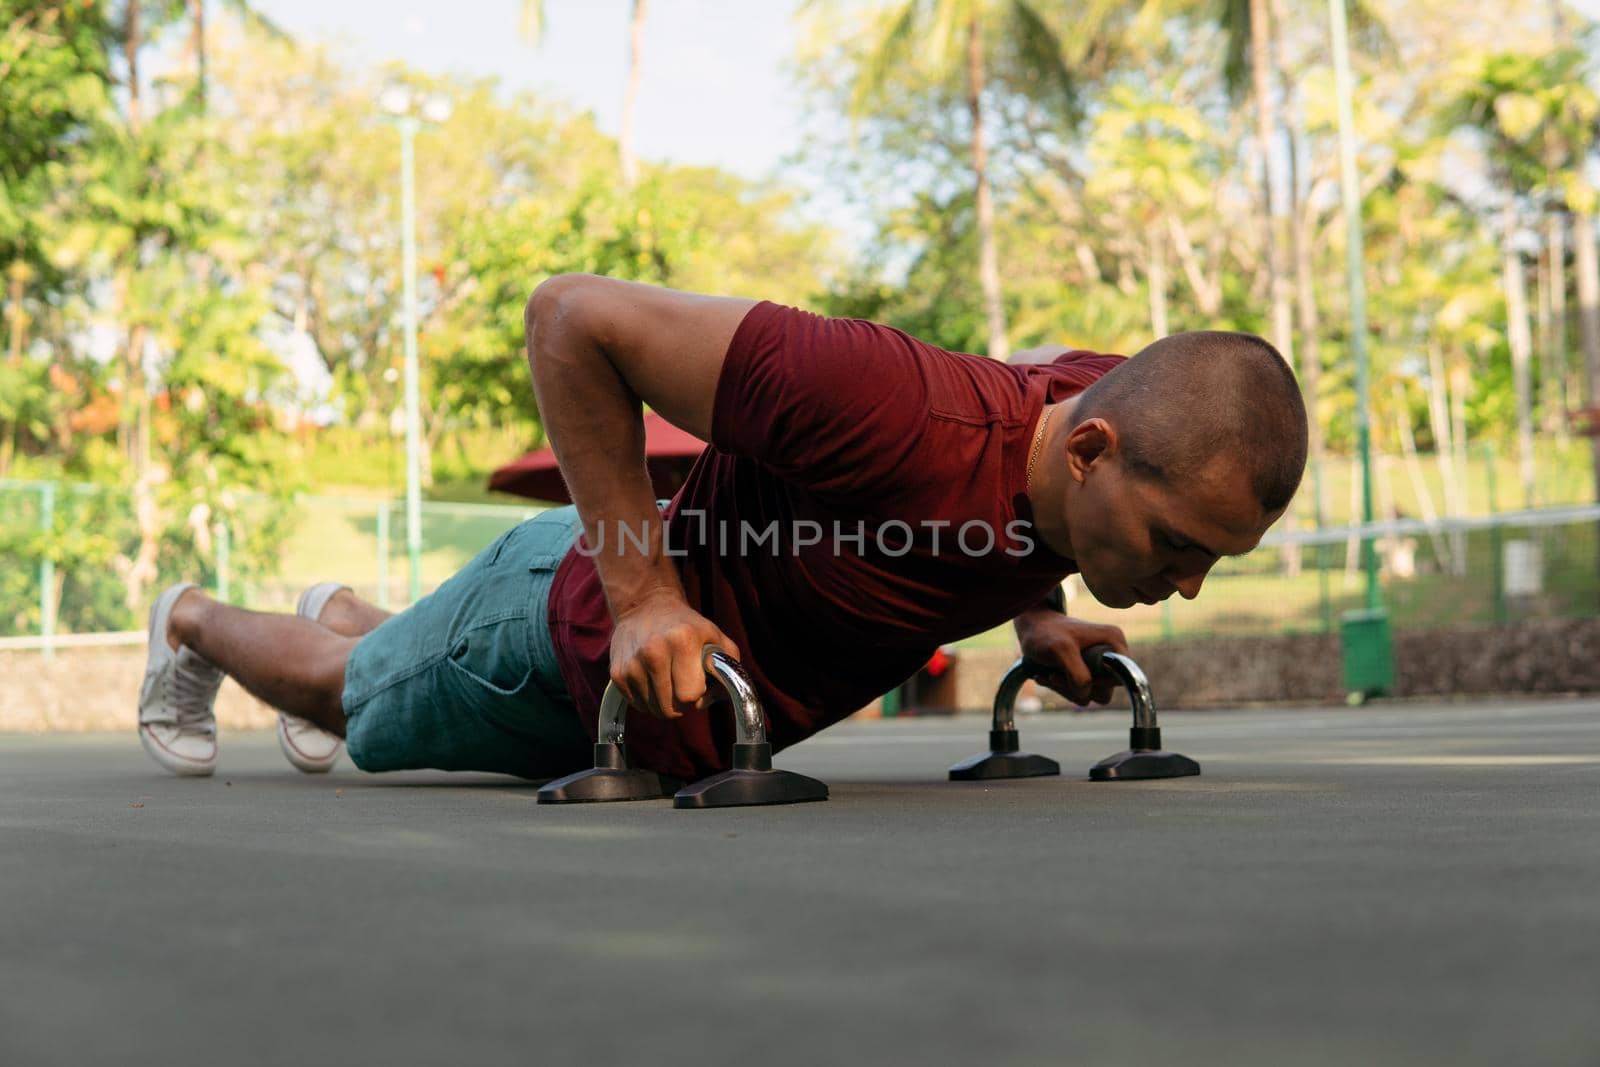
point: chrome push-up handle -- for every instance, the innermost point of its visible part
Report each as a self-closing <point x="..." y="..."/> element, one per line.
<point x="1142" y="759"/>
<point x="748" y="719"/>
<point x="1004" y="758"/>
<point x="1102" y="660"/>
<point x="751" y="779"/>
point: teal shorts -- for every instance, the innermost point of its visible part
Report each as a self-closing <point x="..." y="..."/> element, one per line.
<point x="466" y="678"/>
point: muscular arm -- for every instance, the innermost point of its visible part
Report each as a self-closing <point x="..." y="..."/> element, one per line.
<point x="597" y="348"/>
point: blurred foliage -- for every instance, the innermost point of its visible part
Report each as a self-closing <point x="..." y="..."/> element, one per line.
<point x="1154" y="174"/>
<point x="202" y="288"/>
<point x="168" y="254"/>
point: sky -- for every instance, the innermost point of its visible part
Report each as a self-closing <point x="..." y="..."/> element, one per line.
<point x="714" y="87"/>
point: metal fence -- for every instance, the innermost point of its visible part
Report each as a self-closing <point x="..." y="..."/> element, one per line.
<point x="63" y="548"/>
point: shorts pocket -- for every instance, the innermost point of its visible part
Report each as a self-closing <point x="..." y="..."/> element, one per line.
<point x="491" y="679"/>
<point x="494" y="657"/>
<point x="539" y="543"/>
<point x="547" y="547"/>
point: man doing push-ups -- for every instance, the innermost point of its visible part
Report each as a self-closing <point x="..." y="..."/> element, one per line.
<point x="866" y="497"/>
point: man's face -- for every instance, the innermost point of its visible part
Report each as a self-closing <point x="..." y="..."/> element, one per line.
<point x="1137" y="541"/>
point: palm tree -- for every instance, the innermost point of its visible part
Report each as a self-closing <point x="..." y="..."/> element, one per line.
<point x="197" y="36"/>
<point x="1248" y="29"/>
<point x="955" y="38"/>
<point x="1147" y="148"/>
<point x="630" y="95"/>
<point x="1254" y="46"/>
<point x="132" y="41"/>
<point x="1247" y="25"/>
<point x="134" y="424"/>
<point x="1538" y="115"/>
<point x="197" y="46"/>
<point x="1588" y="271"/>
<point x="1518" y="336"/>
<point x="532" y="24"/>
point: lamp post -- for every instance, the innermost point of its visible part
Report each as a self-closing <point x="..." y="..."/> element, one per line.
<point x="1368" y="649"/>
<point x="409" y="114"/>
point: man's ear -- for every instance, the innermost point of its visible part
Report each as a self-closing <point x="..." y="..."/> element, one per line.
<point x="1087" y="443"/>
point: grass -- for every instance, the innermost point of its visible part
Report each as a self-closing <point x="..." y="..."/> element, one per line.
<point x="339" y="539"/>
<point x="342" y="461"/>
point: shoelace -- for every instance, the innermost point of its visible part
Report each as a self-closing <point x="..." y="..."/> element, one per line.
<point x="190" y="690"/>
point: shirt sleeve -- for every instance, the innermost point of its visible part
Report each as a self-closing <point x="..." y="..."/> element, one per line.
<point x="836" y="405"/>
<point x="1073" y="372"/>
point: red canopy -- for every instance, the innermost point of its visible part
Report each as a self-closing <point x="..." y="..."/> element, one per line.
<point x="669" y="453"/>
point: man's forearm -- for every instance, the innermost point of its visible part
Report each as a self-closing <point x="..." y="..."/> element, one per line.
<point x="595" y="426"/>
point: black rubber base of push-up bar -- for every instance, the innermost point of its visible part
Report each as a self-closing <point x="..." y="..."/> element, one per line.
<point x="751" y="781"/>
<point x="994" y="765"/>
<point x="1136" y="766"/>
<point x="608" y="781"/>
<point x="1144" y="759"/>
<point x="1143" y="765"/>
<point x="1003" y="761"/>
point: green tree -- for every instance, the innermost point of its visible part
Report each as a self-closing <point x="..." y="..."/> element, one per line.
<point x="509" y="191"/>
<point x="1252" y="48"/>
<point x="532" y="26"/>
<point x="1147" y="149"/>
<point x="54" y="100"/>
<point x="138" y="225"/>
<point x="1538" y="116"/>
<point x="247" y="14"/>
<point x="954" y="39"/>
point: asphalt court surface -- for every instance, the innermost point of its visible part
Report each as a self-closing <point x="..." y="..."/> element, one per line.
<point x="1398" y="884"/>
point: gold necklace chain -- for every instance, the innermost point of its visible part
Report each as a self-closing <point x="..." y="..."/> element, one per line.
<point x="1038" y="440"/>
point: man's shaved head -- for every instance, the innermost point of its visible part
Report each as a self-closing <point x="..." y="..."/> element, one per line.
<point x="1193" y="398"/>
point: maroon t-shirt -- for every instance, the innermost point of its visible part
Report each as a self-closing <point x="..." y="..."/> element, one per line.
<point x="914" y="452"/>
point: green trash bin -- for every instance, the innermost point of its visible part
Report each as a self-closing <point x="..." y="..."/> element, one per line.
<point x="1368" y="652"/>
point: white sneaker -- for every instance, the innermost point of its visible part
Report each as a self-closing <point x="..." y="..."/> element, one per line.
<point x="307" y="746"/>
<point x="177" y="724"/>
